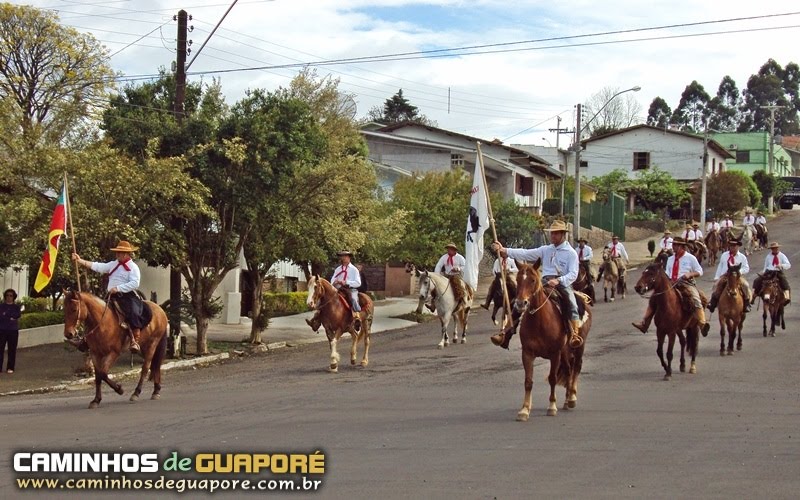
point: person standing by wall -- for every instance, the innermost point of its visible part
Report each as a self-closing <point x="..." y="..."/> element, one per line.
<point x="10" y="312"/>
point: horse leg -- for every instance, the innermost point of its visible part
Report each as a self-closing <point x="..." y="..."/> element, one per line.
<point x="334" y="368"/>
<point x="739" y="339"/>
<point x="445" y="320"/>
<point x="682" y="340"/>
<point x="464" y="320"/>
<point x="148" y="359"/>
<point x="98" y="380"/>
<point x="527" y="364"/>
<point x="552" y="409"/>
<point x="670" y="347"/>
<point x="571" y="395"/>
<point x="764" y="318"/>
<point x="495" y="308"/>
<point x="692" y="343"/>
<point x="605" y="293"/>
<point x="731" y="335"/>
<point x="721" y="335"/>
<point x="354" y="347"/>
<point x="365" y="334"/>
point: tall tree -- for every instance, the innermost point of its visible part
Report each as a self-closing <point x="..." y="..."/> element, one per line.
<point x="657" y="190"/>
<point x="659" y="113"/>
<point x="724" y="107"/>
<point x="731" y="192"/>
<point x="693" y="108"/>
<point x="771" y="86"/>
<point x="619" y="112"/>
<point x="397" y="109"/>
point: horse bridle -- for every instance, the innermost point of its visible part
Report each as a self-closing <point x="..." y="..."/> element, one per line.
<point x="546" y="299"/>
<point x="78" y="321"/>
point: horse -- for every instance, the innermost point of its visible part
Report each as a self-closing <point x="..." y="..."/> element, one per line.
<point x="612" y="279"/>
<point x="446" y="307"/>
<point x="712" y="241"/>
<point x="698" y="249"/>
<point x="670" y="318"/>
<point x="662" y="256"/>
<point x="724" y="235"/>
<point x="772" y="298"/>
<point x="583" y="283"/>
<point x="731" y="311"/>
<point x="107" y="339"/>
<point x="761" y="235"/>
<point x="748" y="239"/>
<point x="497" y="296"/>
<point x="336" y="317"/>
<point x="542" y="335"/>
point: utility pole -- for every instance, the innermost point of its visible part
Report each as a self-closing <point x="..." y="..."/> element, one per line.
<point x="771" y="200"/>
<point x="576" y="223"/>
<point x="704" y="180"/>
<point x="558" y="130"/>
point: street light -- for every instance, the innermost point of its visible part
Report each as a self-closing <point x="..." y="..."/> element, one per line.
<point x="576" y="225"/>
<point x="548" y="142"/>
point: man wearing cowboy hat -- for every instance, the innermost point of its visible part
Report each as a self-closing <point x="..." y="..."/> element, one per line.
<point x="693" y="233"/>
<point x="559" y="270"/>
<point x="775" y="262"/>
<point x="733" y="257"/>
<point x="761" y="226"/>
<point x="123" y="281"/>
<point x="712" y="225"/>
<point x="511" y="279"/>
<point x="749" y="219"/>
<point x="727" y="222"/>
<point x="347" y="279"/>
<point x="585" y="255"/>
<point x="616" y="251"/>
<point x="451" y="264"/>
<point x="682" y="268"/>
<point x="665" y="243"/>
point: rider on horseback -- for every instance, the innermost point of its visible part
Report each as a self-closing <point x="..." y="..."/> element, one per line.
<point x="712" y="225"/>
<point x="616" y="251"/>
<point x="501" y="263"/>
<point x="775" y="262"/>
<point x="559" y="271"/>
<point x="123" y="281"/>
<point x="347" y="279"/>
<point x="451" y="265"/>
<point x="665" y="243"/>
<point x="728" y="259"/>
<point x="682" y="268"/>
<point x="749" y="219"/>
<point x="693" y="233"/>
<point x="585" y="257"/>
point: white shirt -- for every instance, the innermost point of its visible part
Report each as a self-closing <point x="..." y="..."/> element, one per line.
<point x="712" y="226"/>
<point x="749" y="220"/>
<point x="666" y="242"/>
<point x="693" y="234"/>
<point x="761" y="220"/>
<point x="686" y="264"/>
<point x="727" y="223"/>
<point x="724" y="263"/>
<point x="587" y="252"/>
<point x="783" y="262"/>
<point x="618" y="250"/>
<point x="458" y="263"/>
<point x="124" y="280"/>
<point x="509" y="264"/>
<point x="349" y="274"/>
<point x="561" y="260"/>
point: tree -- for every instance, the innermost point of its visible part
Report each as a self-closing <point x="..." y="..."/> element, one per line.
<point x="659" y="113"/>
<point x="769" y="185"/>
<point x="732" y="192"/>
<point x="772" y="86"/>
<point x="619" y="112"/>
<point x="397" y="109"/>
<point x="616" y="181"/>
<point x="724" y="107"/>
<point x="515" y="226"/>
<point x="657" y="190"/>
<point x="693" y="108"/>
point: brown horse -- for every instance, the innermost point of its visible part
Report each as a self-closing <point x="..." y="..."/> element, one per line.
<point x="336" y="317"/>
<point x="698" y="249"/>
<point x="670" y="318"/>
<point x="107" y="339"/>
<point x="497" y="295"/>
<point x="712" y="245"/>
<point x="583" y="283"/>
<point x="731" y="311"/>
<point x="772" y="298"/>
<point x="611" y="277"/>
<point x="543" y="335"/>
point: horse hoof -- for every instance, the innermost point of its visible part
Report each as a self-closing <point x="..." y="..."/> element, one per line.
<point x="353" y="361"/>
<point x="134" y="397"/>
<point x="572" y="404"/>
<point x="440" y="345"/>
<point x="120" y="391"/>
<point x="496" y="322"/>
<point x="463" y="340"/>
<point x="667" y="378"/>
<point x="93" y="405"/>
<point x="772" y="334"/>
<point x="334" y="369"/>
<point x="522" y="416"/>
<point x="693" y="369"/>
<point x="739" y="347"/>
<point x="155" y="397"/>
<point x="730" y="352"/>
<point x="552" y="412"/>
<point x="364" y="363"/>
<point x="683" y="368"/>
<point x="612" y="300"/>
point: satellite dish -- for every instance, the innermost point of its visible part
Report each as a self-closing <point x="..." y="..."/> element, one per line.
<point x="346" y="106"/>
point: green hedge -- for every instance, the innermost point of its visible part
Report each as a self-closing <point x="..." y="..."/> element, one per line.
<point x="37" y="319"/>
<point x="284" y="304"/>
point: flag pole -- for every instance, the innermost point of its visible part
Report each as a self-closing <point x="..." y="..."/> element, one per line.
<point x="71" y="229"/>
<point x="506" y="301"/>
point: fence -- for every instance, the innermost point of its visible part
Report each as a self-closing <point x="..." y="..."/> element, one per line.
<point x="609" y="215"/>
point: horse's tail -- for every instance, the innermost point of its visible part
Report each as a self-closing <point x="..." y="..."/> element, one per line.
<point x="158" y="357"/>
<point x="693" y="340"/>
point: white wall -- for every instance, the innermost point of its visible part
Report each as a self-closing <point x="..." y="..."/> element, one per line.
<point x="18" y="280"/>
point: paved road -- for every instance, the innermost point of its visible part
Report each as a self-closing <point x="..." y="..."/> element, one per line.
<point x="425" y="423"/>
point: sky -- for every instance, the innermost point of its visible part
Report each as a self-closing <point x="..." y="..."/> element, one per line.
<point x="513" y="93"/>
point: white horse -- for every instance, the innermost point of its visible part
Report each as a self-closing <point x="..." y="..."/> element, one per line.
<point x="748" y="240"/>
<point x="439" y="286"/>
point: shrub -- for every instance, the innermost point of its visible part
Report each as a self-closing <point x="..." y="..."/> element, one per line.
<point x="651" y="247"/>
<point x="34" y="305"/>
<point x="37" y="319"/>
<point x="284" y="304"/>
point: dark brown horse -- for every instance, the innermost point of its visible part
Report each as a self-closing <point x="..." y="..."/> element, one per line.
<point x="107" y="339"/>
<point x="337" y="318"/>
<point x="497" y="295"/>
<point x="713" y="245"/>
<point x="772" y="298"/>
<point x="670" y="318"/>
<point x="731" y="310"/>
<point x="543" y="334"/>
<point x="584" y="283"/>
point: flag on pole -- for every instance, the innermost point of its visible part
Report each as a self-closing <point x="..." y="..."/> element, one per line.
<point x="57" y="227"/>
<point x="477" y="222"/>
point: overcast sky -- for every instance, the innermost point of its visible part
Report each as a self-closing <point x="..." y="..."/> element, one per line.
<point x="514" y="95"/>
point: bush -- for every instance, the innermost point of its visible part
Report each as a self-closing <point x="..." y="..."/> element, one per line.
<point x="38" y="304"/>
<point x="284" y="304"/>
<point x="641" y="214"/>
<point x="551" y="206"/>
<point x="37" y="319"/>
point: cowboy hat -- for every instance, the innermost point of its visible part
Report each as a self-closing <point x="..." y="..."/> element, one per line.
<point x="342" y="253"/>
<point x="557" y="225"/>
<point x="583" y="240"/>
<point x="124" y="246"/>
<point x="734" y="241"/>
<point x="452" y="245"/>
<point x="748" y="211"/>
<point x="678" y="241"/>
<point x="688" y="226"/>
<point x="614" y="237"/>
<point x="667" y="231"/>
<point x="774" y="244"/>
<point x="695" y="224"/>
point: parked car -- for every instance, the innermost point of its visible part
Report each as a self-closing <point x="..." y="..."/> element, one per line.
<point x="791" y="197"/>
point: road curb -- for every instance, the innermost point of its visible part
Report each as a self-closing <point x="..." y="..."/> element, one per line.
<point x="76" y="384"/>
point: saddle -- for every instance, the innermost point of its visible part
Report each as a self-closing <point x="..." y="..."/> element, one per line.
<point x="459" y="288"/>
<point x="138" y="316"/>
<point x="559" y="300"/>
<point x="686" y="298"/>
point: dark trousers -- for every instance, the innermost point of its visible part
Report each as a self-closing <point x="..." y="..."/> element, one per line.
<point x="758" y="283"/>
<point x="132" y="308"/>
<point x="12" y="338"/>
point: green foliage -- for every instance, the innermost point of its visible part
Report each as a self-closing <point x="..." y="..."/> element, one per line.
<point x="616" y="181"/>
<point x="551" y="206"/>
<point x="731" y="192"/>
<point x="659" y="113"/>
<point x="657" y="190"/>
<point x="640" y="213"/>
<point x="284" y="304"/>
<point x="37" y="319"/>
<point x="35" y="304"/>
<point x="515" y="226"/>
<point x="769" y="185"/>
<point x="692" y="109"/>
<point x="397" y="109"/>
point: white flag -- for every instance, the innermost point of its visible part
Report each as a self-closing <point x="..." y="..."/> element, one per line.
<point x="477" y="222"/>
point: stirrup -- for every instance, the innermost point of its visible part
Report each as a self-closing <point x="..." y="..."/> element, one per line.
<point x="575" y="341"/>
<point x="357" y="325"/>
<point x="134" y="347"/>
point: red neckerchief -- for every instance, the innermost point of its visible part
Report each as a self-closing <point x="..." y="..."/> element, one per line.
<point x="613" y="249"/>
<point x="124" y="265"/>
<point x="675" y="267"/>
<point x="730" y="259"/>
<point x="449" y="260"/>
<point x="343" y="271"/>
<point x="775" y="260"/>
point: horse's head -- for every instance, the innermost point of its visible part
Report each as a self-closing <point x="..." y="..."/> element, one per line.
<point x="662" y="257"/>
<point x="529" y="283"/>
<point x="425" y="285"/>
<point x="74" y="312"/>
<point x="606" y="254"/>
<point x="733" y="274"/>
<point x="649" y="278"/>
<point x="316" y="290"/>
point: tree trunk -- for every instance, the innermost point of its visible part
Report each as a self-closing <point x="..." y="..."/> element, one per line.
<point x="202" y="329"/>
<point x="258" y="301"/>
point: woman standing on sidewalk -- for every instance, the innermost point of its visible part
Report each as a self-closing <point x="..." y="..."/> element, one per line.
<point x="10" y="312"/>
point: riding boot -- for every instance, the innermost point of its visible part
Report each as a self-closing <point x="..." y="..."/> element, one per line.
<point x="712" y="304"/>
<point x="504" y="339"/>
<point x="643" y="325"/>
<point x="787" y="297"/>
<point x="314" y="323"/>
<point x="575" y="340"/>
<point x="701" y="321"/>
<point x="134" y="347"/>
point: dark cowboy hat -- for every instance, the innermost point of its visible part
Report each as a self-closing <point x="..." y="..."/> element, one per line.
<point x="678" y="241"/>
<point x="614" y="237"/>
<point x="342" y="253"/>
<point x="452" y="245"/>
<point x="734" y="241"/>
<point x="124" y="246"/>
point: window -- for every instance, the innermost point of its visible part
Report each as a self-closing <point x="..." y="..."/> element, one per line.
<point x="584" y="164"/>
<point x="524" y="186"/>
<point x="742" y="156"/>
<point x="641" y="161"/>
<point x="456" y="160"/>
<point x="713" y="166"/>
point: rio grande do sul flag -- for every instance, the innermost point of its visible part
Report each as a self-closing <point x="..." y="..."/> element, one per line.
<point x="57" y="227"/>
<point x="477" y="222"/>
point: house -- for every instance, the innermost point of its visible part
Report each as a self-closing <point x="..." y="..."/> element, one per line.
<point x="408" y="148"/>
<point x="751" y="153"/>
<point x="791" y="144"/>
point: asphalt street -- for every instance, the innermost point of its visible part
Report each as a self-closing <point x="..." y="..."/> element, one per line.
<point x="425" y="423"/>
